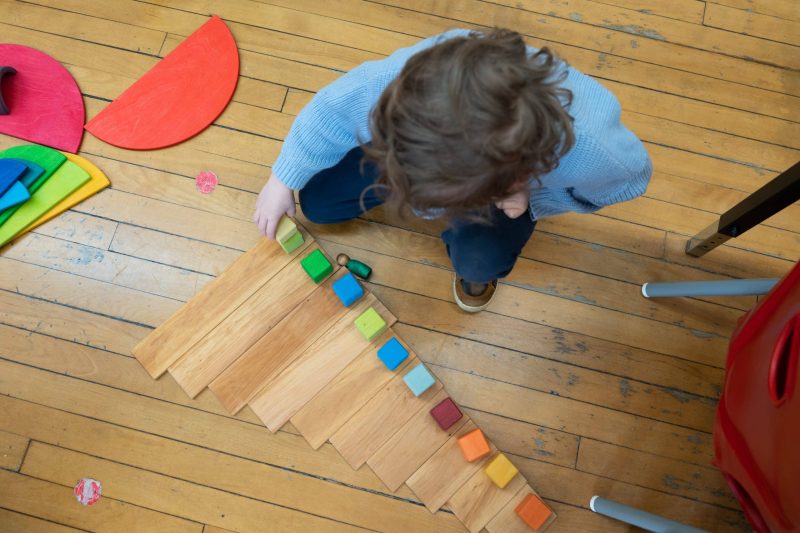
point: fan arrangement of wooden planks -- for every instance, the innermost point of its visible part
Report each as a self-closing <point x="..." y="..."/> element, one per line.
<point x="264" y="334"/>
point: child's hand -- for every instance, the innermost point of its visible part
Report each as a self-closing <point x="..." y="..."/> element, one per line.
<point x="274" y="201"/>
<point x="516" y="204"/>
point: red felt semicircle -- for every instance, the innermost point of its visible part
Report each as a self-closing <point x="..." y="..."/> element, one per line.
<point x="44" y="101"/>
<point x="176" y="99"/>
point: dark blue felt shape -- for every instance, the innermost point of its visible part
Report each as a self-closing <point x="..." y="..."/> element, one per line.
<point x="348" y="289"/>
<point x="392" y="353"/>
<point x="32" y="174"/>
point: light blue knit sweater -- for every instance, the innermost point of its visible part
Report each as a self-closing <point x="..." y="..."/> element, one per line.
<point x="607" y="164"/>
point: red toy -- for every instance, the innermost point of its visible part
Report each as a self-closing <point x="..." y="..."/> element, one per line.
<point x="43" y="101"/>
<point x="758" y="419"/>
<point x="176" y="99"/>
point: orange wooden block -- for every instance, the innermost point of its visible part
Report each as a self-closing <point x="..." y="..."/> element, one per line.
<point x="474" y="445"/>
<point x="533" y="511"/>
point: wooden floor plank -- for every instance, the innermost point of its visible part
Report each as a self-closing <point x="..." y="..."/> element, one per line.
<point x="12" y="450"/>
<point x="150" y="415"/>
<point x="786" y="9"/>
<point x="197" y="465"/>
<point x="102" y="31"/>
<point x="650" y="26"/>
<point x="749" y="23"/>
<point x="688" y="10"/>
<point x="567" y="31"/>
<point x="168" y="495"/>
<point x="22" y="522"/>
<point x="25" y="494"/>
<point x="703" y="483"/>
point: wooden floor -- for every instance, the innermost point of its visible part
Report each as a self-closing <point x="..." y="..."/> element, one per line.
<point x="591" y="388"/>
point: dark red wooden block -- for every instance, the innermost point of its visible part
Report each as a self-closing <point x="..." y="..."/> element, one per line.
<point x="446" y="413"/>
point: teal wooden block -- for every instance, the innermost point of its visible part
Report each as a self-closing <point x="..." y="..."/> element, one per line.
<point x="370" y="324"/>
<point x="419" y="379"/>
<point x="317" y="265"/>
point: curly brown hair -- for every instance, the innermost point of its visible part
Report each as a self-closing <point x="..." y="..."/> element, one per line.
<point x="467" y="121"/>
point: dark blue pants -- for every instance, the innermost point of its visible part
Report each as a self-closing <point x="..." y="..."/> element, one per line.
<point x="480" y="252"/>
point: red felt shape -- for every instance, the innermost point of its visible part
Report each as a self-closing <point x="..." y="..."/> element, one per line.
<point x="176" y="99"/>
<point x="44" y="101"/>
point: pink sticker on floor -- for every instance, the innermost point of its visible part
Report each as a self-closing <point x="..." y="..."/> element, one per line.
<point x="87" y="491"/>
<point x="206" y="181"/>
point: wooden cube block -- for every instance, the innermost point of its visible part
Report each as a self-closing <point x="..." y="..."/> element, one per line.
<point x="419" y="379"/>
<point x="392" y="353"/>
<point x="370" y="324"/>
<point x="348" y="289"/>
<point x="474" y="445"/>
<point x="500" y="470"/>
<point x="534" y="512"/>
<point x="446" y="413"/>
<point x="292" y="243"/>
<point x="317" y="265"/>
<point x="286" y="229"/>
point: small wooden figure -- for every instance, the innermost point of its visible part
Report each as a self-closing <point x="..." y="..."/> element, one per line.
<point x="317" y="265"/>
<point x="348" y="289"/>
<point x="370" y="324"/>
<point x="446" y="413"/>
<point x="358" y="268"/>
<point x="534" y="512"/>
<point x="392" y="353"/>
<point x="474" y="445"/>
<point x="419" y="379"/>
<point x="500" y="470"/>
<point x="287" y="235"/>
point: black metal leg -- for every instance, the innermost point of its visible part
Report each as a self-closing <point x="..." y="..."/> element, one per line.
<point x="779" y="193"/>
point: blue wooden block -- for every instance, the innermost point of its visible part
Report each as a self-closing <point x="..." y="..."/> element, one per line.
<point x="348" y="289"/>
<point x="11" y="170"/>
<point x="419" y="379"/>
<point x="392" y="353"/>
<point x="15" y="195"/>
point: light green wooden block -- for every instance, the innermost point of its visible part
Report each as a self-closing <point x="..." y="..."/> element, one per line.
<point x="292" y="243"/>
<point x="370" y="324"/>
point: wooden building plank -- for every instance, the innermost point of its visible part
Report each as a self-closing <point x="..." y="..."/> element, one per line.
<point x="445" y="472"/>
<point x="282" y="397"/>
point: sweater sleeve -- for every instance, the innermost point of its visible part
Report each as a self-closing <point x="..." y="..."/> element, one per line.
<point x="325" y="130"/>
<point x="608" y="164"/>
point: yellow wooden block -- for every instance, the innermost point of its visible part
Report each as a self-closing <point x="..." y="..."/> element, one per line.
<point x="97" y="182"/>
<point x="500" y="470"/>
<point x="286" y="229"/>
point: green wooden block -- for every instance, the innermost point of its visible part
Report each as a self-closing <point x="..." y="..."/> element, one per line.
<point x="292" y="243"/>
<point x="370" y="324"/>
<point x="317" y="265"/>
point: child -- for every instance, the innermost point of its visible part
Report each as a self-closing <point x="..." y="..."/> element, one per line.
<point x="470" y="126"/>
